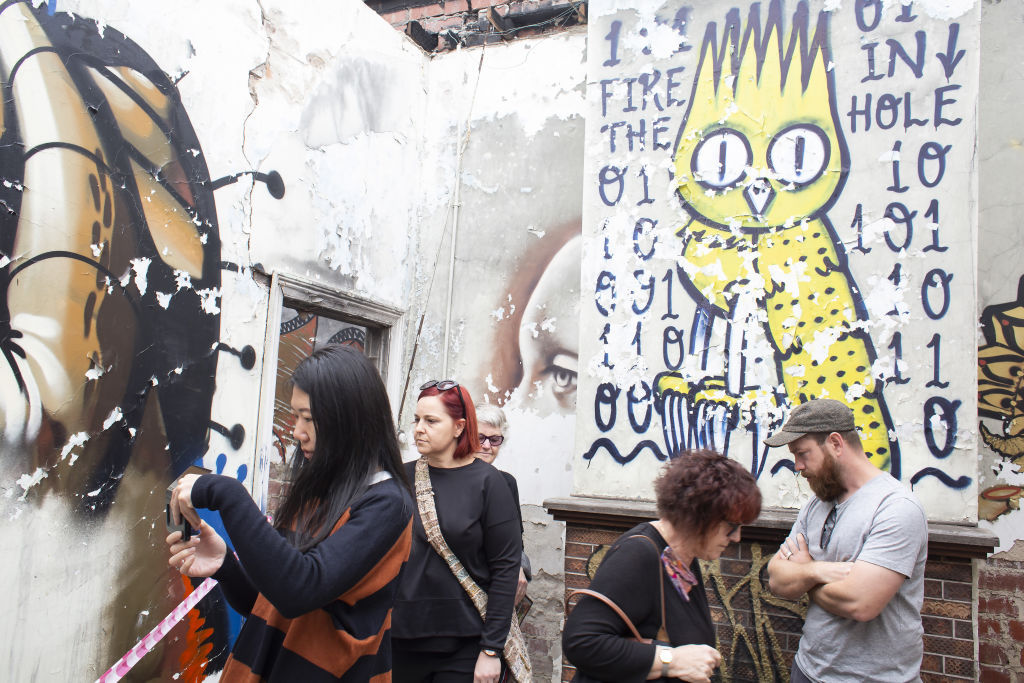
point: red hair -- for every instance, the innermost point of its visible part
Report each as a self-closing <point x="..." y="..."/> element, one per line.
<point x="698" y="489"/>
<point x="468" y="442"/>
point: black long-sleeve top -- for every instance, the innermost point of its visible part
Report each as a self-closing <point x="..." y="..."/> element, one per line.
<point x="478" y="520"/>
<point x="513" y="485"/>
<point x="596" y="640"/>
<point x="315" y="615"/>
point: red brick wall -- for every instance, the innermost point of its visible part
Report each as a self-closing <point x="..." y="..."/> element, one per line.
<point x="758" y="633"/>
<point x="948" y="619"/>
<point x="276" y="486"/>
<point x="1001" y="621"/>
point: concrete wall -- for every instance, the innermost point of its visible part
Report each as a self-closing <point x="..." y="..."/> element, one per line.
<point x="134" y="343"/>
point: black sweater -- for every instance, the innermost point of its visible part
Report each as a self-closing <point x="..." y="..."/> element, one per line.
<point x="318" y="615"/>
<point x="599" y="644"/>
<point x="479" y="522"/>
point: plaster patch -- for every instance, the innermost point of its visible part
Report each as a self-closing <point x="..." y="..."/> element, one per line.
<point x="141" y="267"/>
<point x="208" y="300"/>
<point x="114" y="416"/>
<point x="182" y="279"/>
<point x="943" y="10"/>
<point x="470" y="179"/>
<point x="27" y="481"/>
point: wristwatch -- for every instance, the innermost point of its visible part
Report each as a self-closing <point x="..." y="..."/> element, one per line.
<point x="492" y="653"/>
<point x="665" y="655"/>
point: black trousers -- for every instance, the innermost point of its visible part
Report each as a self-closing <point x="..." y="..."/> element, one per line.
<point x="409" y="666"/>
<point x="798" y="676"/>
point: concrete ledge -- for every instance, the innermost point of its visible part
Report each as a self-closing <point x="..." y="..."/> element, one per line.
<point x="944" y="539"/>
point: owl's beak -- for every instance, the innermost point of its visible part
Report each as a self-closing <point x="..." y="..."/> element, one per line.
<point x="759" y="194"/>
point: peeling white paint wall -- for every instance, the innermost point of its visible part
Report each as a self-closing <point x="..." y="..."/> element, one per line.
<point x="662" y="223"/>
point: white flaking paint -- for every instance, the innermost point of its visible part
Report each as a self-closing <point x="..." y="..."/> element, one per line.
<point x="208" y="300"/>
<point x="114" y="416"/>
<point x="27" y="481"/>
<point x="182" y="279"/>
<point x="141" y="266"/>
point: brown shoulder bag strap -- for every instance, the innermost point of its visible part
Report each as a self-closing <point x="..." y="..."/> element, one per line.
<point x="615" y="608"/>
<point x="662" y="632"/>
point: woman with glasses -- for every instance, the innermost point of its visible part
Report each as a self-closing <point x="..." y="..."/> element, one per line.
<point x="317" y="587"/>
<point x="465" y="555"/>
<point x="493" y="426"/>
<point x="652" y="574"/>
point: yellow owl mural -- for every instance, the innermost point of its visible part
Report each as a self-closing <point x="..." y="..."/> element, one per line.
<point x="759" y="160"/>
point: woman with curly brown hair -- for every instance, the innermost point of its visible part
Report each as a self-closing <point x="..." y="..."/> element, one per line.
<point x="703" y="499"/>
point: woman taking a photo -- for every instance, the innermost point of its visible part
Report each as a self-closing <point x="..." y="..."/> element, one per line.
<point x="316" y="588"/>
<point x="702" y="499"/>
<point x="465" y="554"/>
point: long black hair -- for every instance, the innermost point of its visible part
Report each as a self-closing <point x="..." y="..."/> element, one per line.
<point x="355" y="438"/>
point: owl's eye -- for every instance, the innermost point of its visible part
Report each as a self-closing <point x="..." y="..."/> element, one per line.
<point x="799" y="154"/>
<point x="721" y="159"/>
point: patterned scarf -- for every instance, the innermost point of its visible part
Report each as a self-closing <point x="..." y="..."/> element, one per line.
<point x="682" y="578"/>
<point x="514" y="653"/>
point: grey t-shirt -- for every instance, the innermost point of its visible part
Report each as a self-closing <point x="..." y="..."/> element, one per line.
<point x="884" y="524"/>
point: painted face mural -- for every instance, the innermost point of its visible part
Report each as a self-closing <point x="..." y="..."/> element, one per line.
<point x="109" y="326"/>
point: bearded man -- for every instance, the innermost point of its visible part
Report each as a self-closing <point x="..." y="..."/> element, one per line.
<point x="857" y="550"/>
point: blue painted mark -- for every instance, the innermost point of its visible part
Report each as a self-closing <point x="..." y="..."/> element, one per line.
<point x="959" y="483"/>
<point x="212" y="518"/>
<point x="613" y="450"/>
<point x="51" y="7"/>
<point x="786" y="464"/>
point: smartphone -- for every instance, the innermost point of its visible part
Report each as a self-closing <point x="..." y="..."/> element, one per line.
<point x="524" y="608"/>
<point x="185" y="528"/>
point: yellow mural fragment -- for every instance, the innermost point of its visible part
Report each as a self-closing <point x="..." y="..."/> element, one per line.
<point x="760" y="160"/>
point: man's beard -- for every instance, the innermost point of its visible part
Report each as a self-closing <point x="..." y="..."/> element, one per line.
<point x="828" y="483"/>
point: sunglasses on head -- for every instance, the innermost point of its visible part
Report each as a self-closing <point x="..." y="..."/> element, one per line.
<point x="445" y="385"/>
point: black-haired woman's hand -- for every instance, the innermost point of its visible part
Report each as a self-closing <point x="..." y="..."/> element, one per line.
<point x="181" y="501"/>
<point x="201" y="555"/>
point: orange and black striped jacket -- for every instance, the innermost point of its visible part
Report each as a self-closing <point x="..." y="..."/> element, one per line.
<point x="319" y="615"/>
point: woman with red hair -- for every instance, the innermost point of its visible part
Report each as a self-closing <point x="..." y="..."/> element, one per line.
<point x="652" y="574"/>
<point x="466" y="548"/>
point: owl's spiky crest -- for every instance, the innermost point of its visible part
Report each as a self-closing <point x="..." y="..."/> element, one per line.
<point x="763" y="47"/>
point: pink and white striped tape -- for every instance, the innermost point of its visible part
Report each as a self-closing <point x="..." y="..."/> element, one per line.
<point x="132" y="657"/>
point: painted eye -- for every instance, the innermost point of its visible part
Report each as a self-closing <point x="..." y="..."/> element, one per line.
<point x="721" y="158"/>
<point x="563" y="373"/>
<point x="799" y="154"/>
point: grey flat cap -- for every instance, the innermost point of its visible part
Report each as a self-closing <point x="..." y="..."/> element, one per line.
<point x="817" y="415"/>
